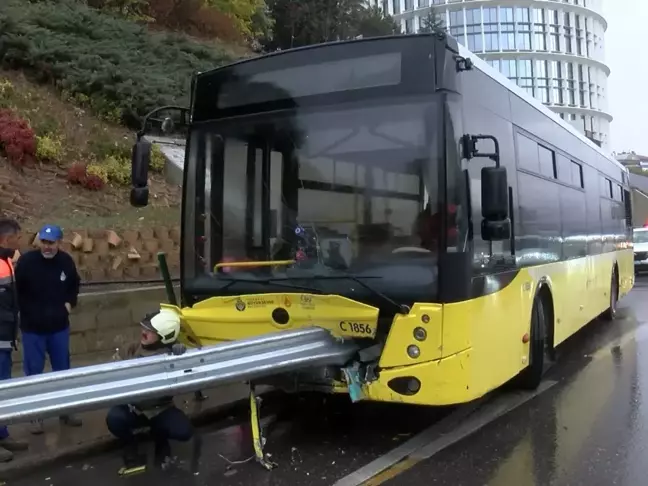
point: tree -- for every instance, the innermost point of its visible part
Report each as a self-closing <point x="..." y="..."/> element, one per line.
<point x="305" y="22"/>
<point x="373" y="22"/>
<point x="432" y="22"/>
<point x="249" y="16"/>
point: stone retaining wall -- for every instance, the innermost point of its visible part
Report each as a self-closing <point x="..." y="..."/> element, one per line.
<point x="128" y="255"/>
<point x="103" y="321"/>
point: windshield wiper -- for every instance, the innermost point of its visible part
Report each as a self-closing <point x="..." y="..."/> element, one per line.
<point x="400" y="308"/>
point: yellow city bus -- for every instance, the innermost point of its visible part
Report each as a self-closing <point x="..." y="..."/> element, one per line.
<point x="401" y="193"/>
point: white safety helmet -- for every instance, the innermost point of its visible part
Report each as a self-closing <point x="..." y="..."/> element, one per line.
<point x="165" y="323"/>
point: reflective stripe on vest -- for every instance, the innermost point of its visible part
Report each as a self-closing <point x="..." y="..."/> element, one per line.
<point x="6" y="272"/>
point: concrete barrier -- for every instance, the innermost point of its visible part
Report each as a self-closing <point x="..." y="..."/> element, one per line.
<point x="103" y="321"/>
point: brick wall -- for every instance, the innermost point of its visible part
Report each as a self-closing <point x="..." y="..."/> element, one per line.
<point x="127" y="255"/>
<point x="103" y="321"/>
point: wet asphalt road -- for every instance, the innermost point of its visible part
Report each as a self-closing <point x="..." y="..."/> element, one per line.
<point x="591" y="428"/>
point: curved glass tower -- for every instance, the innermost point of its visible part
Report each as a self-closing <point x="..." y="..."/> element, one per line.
<point x="554" y="49"/>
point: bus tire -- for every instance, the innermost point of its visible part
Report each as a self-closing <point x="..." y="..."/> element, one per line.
<point x="611" y="313"/>
<point x="531" y="376"/>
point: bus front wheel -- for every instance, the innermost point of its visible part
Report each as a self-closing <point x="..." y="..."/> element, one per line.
<point x="539" y="355"/>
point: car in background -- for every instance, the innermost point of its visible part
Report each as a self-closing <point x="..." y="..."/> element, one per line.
<point x="640" y="240"/>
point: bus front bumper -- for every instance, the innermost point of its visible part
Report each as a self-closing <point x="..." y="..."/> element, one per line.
<point x="446" y="381"/>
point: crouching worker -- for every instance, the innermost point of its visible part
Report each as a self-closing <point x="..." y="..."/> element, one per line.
<point x="166" y="422"/>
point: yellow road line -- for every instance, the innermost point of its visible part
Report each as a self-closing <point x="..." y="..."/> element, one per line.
<point x="392" y="472"/>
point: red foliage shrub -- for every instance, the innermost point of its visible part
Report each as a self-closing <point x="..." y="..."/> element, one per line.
<point x="77" y="173"/>
<point x="17" y="139"/>
<point x="93" y="182"/>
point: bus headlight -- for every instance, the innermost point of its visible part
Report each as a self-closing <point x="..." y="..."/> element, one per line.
<point x="420" y="334"/>
<point x="413" y="351"/>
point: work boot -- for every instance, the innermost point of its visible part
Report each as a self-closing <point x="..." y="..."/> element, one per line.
<point x="71" y="420"/>
<point x="36" y="427"/>
<point x="132" y="458"/>
<point x="163" y="457"/>
<point x="5" y="455"/>
<point x="13" y="445"/>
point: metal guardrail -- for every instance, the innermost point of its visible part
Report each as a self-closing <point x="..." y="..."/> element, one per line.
<point x="121" y="382"/>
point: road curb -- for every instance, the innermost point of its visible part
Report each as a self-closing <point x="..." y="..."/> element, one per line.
<point x="107" y="443"/>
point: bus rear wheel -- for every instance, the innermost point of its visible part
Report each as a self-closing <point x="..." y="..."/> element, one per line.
<point x="611" y="313"/>
<point x="539" y="355"/>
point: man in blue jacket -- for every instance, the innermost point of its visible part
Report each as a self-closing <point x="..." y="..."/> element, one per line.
<point x="48" y="285"/>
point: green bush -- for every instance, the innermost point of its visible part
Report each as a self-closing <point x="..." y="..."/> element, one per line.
<point x="114" y="67"/>
<point x="103" y="147"/>
<point x="118" y="170"/>
<point x="158" y="161"/>
<point x="49" y="148"/>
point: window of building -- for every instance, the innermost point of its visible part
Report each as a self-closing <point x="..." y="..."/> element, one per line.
<point x="507" y="23"/>
<point x="409" y="26"/>
<point x="409" y="5"/>
<point x="456" y="26"/>
<point x="568" y="33"/>
<point x="582" y="83"/>
<point x="509" y="69"/>
<point x="558" y="82"/>
<point x="571" y="84"/>
<point x="396" y="7"/>
<point x="525" y="75"/>
<point x="579" y="35"/>
<point x="554" y="31"/>
<point x="540" y="30"/>
<point x="491" y="35"/>
<point x="474" y="30"/>
<point x="495" y="63"/>
<point x="523" y="25"/>
<point x="542" y="78"/>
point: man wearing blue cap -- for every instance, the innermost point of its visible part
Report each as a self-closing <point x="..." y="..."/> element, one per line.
<point x="48" y="285"/>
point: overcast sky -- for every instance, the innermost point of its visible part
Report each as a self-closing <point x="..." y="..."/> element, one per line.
<point x="628" y="83"/>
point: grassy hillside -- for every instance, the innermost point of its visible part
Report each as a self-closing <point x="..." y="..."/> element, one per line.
<point x="40" y="191"/>
<point x="74" y="84"/>
<point x="118" y="68"/>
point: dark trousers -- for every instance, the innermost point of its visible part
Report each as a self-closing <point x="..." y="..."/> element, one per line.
<point x="36" y="346"/>
<point x="170" y="424"/>
<point x="5" y="373"/>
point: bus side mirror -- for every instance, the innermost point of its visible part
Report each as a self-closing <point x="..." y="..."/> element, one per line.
<point x="141" y="160"/>
<point x="496" y="223"/>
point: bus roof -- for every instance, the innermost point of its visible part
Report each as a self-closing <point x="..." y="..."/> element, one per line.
<point x="453" y="45"/>
<point x="449" y="40"/>
<point x="511" y="86"/>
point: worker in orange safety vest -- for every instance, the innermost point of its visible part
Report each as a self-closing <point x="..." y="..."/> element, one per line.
<point x="9" y="321"/>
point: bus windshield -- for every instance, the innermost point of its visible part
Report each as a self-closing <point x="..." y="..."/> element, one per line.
<point x="350" y="189"/>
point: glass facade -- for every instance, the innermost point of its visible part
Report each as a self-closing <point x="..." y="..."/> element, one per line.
<point x="553" y="49"/>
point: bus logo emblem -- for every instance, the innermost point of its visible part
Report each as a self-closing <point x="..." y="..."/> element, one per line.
<point x="240" y="305"/>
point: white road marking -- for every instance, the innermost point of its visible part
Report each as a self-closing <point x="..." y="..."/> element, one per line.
<point x="461" y="423"/>
<point x="466" y="420"/>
